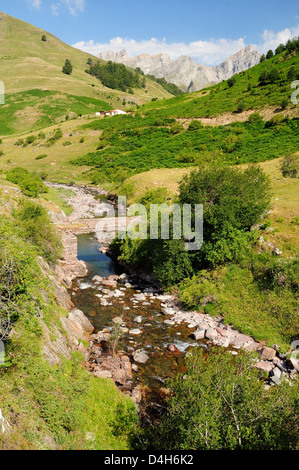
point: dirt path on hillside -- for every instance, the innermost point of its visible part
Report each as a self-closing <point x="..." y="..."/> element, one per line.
<point x="229" y="118"/>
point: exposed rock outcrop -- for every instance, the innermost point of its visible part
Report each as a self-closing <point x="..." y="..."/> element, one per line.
<point x="184" y="71"/>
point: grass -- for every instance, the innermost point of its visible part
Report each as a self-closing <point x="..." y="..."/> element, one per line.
<point x="31" y="64"/>
<point x="58" y="197"/>
<point x="59" y="407"/>
<point x="131" y="145"/>
<point x="220" y="99"/>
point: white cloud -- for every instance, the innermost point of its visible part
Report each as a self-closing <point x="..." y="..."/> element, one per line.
<point x="207" y="52"/>
<point x="271" y="40"/>
<point x="55" y="8"/>
<point x="35" y="3"/>
<point x="211" y="52"/>
<point x="74" y="6"/>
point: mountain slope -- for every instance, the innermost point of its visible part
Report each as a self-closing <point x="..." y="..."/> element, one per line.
<point x="184" y="72"/>
<point x="28" y="63"/>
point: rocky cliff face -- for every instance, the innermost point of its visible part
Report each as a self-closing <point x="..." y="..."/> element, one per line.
<point x="184" y="72"/>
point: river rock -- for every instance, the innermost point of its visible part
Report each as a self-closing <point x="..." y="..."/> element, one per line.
<point x="264" y="366"/>
<point x="173" y="349"/>
<point x="167" y="311"/>
<point x="169" y="322"/>
<point x="267" y="354"/>
<point x="140" y="357"/>
<point x="109" y="283"/>
<point x="135" y="332"/>
<point x="97" y="279"/>
<point x="103" y="374"/>
<point x="118" y="293"/>
<point x="140" y="297"/>
<point x="211" y="333"/>
<point x="198" y="334"/>
<point x="138" y="319"/>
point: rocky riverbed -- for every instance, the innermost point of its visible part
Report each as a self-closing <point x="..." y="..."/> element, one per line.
<point x="142" y="336"/>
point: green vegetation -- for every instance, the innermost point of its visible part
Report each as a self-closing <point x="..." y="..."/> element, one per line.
<point x="290" y="166"/>
<point x="131" y="145"/>
<point x="35" y="224"/>
<point x="279" y="72"/>
<point x="30" y="183"/>
<point x="67" y="68"/>
<point x="221" y="405"/>
<point x="229" y="276"/>
<point x="36" y="67"/>
<point x="58" y="407"/>
<point x="115" y="76"/>
<point x="170" y="87"/>
<point x="48" y="107"/>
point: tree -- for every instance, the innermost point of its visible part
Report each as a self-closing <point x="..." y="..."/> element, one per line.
<point x="231" y="197"/>
<point x="67" y="68"/>
<point x="231" y="81"/>
<point x="263" y="58"/>
<point x="280" y="49"/>
<point x="292" y="74"/>
<point x="44" y="38"/>
<point x="269" y="76"/>
<point x="284" y="103"/>
<point x="270" y="54"/>
<point x="222" y="405"/>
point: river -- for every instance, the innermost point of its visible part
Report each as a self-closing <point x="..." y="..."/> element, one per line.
<point x="140" y="307"/>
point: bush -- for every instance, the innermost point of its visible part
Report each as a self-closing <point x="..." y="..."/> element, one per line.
<point x="231" y="198"/>
<point x="194" y="125"/>
<point x="30" y="183"/>
<point x="290" y="166"/>
<point x="284" y="103"/>
<point x="231" y="81"/>
<point x="222" y="405"/>
<point x="41" y="157"/>
<point x="37" y="228"/>
<point x="67" y="68"/>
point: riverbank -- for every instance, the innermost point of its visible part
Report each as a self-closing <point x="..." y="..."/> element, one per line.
<point x="141" y="314"/>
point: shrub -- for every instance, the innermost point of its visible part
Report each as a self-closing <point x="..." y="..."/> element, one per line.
<point x="290" y="166"/>
<point x="284" y="104"/>
<point x="231" y="81"/>
<point x="30" y="139"/>
<point x="222" y="405"/>
<point x="67" y="68"/>
<point x="241" y="107"/>
<point x="37" y="228"/>
<point x="194" y="125"/>
<point x="30" y="183"/>
<point x="231" y="198"/>
<point x="41" y="157"/>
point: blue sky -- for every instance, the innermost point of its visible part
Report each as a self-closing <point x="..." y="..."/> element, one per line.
<point x="207" y="31"/>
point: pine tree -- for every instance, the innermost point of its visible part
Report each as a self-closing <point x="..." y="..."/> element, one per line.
<point x="67" y="68"/>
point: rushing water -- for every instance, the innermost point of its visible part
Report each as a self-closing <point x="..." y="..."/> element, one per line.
<point x="144" y="314"/>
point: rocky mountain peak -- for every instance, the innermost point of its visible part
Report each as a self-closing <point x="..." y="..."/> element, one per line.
<point x="183" y="71"/>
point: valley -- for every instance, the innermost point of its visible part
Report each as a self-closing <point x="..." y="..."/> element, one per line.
<point x="134" y="342"/>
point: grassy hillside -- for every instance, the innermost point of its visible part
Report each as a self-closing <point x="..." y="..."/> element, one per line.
<point x="246" y="94"/>
<point x="37" y="92"/>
